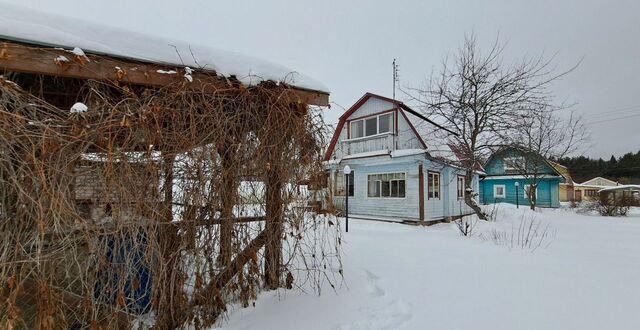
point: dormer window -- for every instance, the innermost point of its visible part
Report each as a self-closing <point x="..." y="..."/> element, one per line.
<point x="371" y="126"/>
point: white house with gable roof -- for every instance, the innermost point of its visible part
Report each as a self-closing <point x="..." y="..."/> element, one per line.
<point x="396" y="174"/>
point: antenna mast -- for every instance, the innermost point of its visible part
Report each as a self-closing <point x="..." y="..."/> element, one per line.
<point x="396" y="77"/>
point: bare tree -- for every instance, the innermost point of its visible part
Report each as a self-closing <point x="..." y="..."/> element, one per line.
<point x="478" y="97"/>
<point x="541" y="137"/>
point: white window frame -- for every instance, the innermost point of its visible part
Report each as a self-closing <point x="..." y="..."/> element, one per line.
<point x="430" y="184"/>
<point x="379" y="183"/>
<point x="351" y="130"/>
<point x="391" y="122"/>
<point x="526" y="195"/>
<point x="364" y="125"/>
<point x="504" y="191"/>
<point x="460" y="188"/>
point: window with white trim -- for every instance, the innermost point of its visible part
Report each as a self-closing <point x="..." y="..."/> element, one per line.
<point x="433" y="183"/>
<point x="499" y="191"/>
<point x="385" y="123"/>
<point x="370" y="126"/>
<point x="357" y="129"/>
<point x="388" y="185"/>
<point x="460" y="187"/>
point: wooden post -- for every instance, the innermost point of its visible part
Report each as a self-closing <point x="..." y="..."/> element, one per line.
<point x="274" y="228"/>
<point x="228" y="196"/>
<point x="421" y="191"/>
<point x="167" y="293"/>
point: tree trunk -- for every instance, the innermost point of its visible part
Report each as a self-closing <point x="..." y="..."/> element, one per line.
<point x="468" y="195"/>
<point x="533" y="196"/>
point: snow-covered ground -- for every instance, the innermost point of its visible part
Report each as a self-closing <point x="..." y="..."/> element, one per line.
<point x="405" y="277"/>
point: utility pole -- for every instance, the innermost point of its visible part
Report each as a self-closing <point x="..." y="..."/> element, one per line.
<point x="396" y="77"/>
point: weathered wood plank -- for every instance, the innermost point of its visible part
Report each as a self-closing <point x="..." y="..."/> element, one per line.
<point x="61" y="63"/>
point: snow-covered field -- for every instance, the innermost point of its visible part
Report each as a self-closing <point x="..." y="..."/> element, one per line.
<point x="404" y="277"/>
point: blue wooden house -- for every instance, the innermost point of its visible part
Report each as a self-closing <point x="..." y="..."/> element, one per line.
<point x="505" y="182"/>
<point x="396" y="174"/>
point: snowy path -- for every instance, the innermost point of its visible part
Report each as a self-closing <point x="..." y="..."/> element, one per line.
<point x="402" y="277"/>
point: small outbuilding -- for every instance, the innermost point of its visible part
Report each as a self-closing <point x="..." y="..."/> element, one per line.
<point x="631" y="192"/>
<point x="121" y="158"/>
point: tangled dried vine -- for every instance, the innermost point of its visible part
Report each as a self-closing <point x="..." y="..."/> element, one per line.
<point x="169" y="201"/>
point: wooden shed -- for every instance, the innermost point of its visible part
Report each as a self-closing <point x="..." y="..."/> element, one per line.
<point x="96" y="118"/>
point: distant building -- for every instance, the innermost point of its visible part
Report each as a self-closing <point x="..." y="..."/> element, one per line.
<point x="630" y="191"/>
<point x="588" y="190"/>
<point x="566" y="191"/>
<point x="396" y="175"/>
<point x="506" y="183"/>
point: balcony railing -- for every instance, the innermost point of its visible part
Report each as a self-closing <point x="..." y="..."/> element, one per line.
<point x="368" y="144"/>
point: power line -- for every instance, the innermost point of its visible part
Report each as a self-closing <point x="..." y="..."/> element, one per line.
<point x="617" y="112"/>
<point x="613" y="119"/>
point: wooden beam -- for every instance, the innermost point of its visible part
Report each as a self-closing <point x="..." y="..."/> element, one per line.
<point x="212" y="291"/>
<point x="274" y="227"/>
<point x="21" y="58"/>
<point x="421" y="191"/>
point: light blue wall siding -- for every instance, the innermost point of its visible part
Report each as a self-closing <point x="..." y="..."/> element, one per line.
<point x="404" y="208"/>
<point x="371" y="106"/>
<point x="448" y="204"/>
<point x="548" y="192"/>
<point x="407" y="208"/>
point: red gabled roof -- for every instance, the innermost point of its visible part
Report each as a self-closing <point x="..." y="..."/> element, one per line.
<point x="397" y="105"/>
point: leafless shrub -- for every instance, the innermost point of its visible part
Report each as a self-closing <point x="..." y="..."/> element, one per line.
<point x="573" y="204"/>
<point x="466" y="225"/>
<point x="528" y="235"/>
<point x="138" y="204"/>
<point x="586" y="207"/>
<point x="610" y="206"/>
<point x="493" y="212"/>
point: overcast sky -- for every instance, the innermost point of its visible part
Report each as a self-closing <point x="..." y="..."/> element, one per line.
<point x="349" y="45"/>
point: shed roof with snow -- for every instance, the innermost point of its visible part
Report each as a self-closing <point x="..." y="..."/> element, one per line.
<point x="177" y="58"/>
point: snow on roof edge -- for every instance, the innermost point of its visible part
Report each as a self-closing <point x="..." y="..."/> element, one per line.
<point x="32" y="26"/>
<point x="621" y="187"/>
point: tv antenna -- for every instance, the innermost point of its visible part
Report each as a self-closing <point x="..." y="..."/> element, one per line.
<point x="396" y="77"/>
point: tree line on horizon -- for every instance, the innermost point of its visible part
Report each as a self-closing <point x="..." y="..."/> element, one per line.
<point x="624" y="169"/>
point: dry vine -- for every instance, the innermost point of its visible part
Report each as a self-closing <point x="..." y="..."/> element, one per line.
<point x="166" y="201"/>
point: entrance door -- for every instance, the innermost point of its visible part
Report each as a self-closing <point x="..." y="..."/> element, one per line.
<point x="578" y="195"/>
